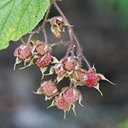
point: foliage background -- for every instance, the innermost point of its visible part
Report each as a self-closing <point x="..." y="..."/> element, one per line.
<point x="102" y="28"/>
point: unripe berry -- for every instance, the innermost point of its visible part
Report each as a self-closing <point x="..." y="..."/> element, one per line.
<point x="43" y="61"/>
<point x="22" y="52"/>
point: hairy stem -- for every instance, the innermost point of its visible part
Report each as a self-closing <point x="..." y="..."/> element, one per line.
<point x="72" y="37"/>
<point x="71" y="45"/>
<point x="22" y="41"/>
<point x="45" y="36"/>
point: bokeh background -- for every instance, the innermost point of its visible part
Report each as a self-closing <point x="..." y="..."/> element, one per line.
<point x="102" y="29"/>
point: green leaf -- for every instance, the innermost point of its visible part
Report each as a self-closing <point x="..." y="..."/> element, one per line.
<point x="18" y="17"/>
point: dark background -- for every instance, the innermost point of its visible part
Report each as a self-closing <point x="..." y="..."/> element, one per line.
<point x="102" y="30"/>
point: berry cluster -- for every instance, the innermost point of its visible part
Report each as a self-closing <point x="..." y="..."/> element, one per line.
<point x="70" y="66"/>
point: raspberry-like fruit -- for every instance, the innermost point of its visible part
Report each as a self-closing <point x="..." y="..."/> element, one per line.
<point x="41" y="48"/>
<point x="48" y="88"/>
<point x="92" y="79"/>
<point x="71" y="95"/>
<point x="43" y="61"/>
<point x="69" y="63"/>
<point x="62" y="104"/>
<point x="58" y="68"/>
<point x="22" y="52"/>
<point x="78" y="76"/>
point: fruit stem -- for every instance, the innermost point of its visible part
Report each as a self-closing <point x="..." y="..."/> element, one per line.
<point x="72" y="37"/>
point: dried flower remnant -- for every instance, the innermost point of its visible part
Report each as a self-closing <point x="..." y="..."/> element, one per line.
<point x="57" y="26"/>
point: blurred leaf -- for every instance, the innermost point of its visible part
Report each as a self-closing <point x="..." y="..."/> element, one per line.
<point x="18" y="17"/>
<point x="123" y="12"/>
<point x="121" y="8"/>
<point x="111" y="3"/>
<point x="123" y="124"/>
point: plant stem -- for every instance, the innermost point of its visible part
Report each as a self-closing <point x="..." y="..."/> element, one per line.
<point x="72" y="37"/>
<point x="23" y="42"/>
<point x="70" y="48"/>
<point x="45" y="36"/>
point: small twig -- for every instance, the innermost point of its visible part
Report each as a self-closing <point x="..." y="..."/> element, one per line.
<point x="71" y="45"/>
<point x="45" y="36"/>
<point x="23" y="42"/>
<point x="86" y="61"/>
<point x="80" y="54"/>
<point x="31" y="35"/>
<point x="56" y="43"/>
<point x="70" y="49"/>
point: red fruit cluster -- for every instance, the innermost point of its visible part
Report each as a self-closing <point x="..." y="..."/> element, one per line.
<point x="68" y="96"/>
<point x="39" y="53"/>
<point x="66" y="99"/>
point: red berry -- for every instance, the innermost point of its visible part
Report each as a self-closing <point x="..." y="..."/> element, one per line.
<point x="41" y="48"/>
<point x="22" y="52"/>
<point x="61" y="103"/>
<point x="69" y="63"/>
<point x="43" y="61"/>
<point x="71" y="95"/>
<point x="78" y="76"/>
<point x="48" y="88"/>
<point x="59" y="70"/>
<point x="92" y="79"/>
